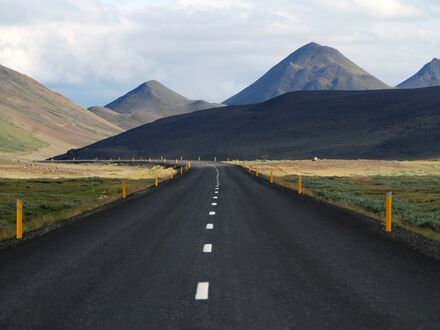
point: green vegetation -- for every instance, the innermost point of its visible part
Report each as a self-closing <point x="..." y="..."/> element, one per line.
<point x="416" y="199"/>
<point x="47" y="201"/>
<point x="361" y="185"/>
<point x="15" y="139"/>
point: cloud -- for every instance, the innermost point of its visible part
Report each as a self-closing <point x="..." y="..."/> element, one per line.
<point x="373" y="8"/>
<point x="94" y="51"/>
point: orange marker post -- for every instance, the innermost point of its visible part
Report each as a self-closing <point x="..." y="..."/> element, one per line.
<point x="271" y="177"/>
<point x="19" y="231"/>
<point x="299" y="184"/>
<point x="124" y="189"/>
<point x="388" y="212"/>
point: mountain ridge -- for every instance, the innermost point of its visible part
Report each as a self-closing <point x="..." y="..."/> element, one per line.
<point x="427" y="76"/>
<point x="148" y="102"/>
<point x="378" y="124"/>
<point x="36" y="122"/>
<point x="311" y="67"/>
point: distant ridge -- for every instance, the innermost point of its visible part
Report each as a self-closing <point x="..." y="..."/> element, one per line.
<point x="36" y="122"/>
<point x="311" y="67"/>
<point x="427" y="76"/>
<point x="148" y="102"/>
<point x="379" y="124"/>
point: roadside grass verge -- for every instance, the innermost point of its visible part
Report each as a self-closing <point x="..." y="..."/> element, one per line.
<point x="54" y="192"/>
<point x="47" y="201"/>
<point x="415" y="187"/>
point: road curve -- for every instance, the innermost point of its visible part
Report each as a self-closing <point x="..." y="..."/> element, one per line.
<point x="255" y="257"/>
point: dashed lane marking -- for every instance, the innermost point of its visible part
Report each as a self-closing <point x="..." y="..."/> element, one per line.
<point x="207" y="248"/>
<point x="210" y="226"/>
<point x="202" y="291"/>
<point x="214" y="204"/>
<point x="211" y="212"/>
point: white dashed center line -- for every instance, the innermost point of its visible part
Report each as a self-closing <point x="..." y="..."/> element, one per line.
<point x="216" y="192"/>
<point x="215" y="197"/>
<point x="207" y="248"/>
<point x="210" y="226"/>
<point x="211" y="212"/>
<point x="214" y="204"/>
<point x="202" y="291"/>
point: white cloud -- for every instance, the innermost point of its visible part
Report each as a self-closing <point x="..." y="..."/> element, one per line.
<point x="93" y="51"/>
<point x="373" y="8"/>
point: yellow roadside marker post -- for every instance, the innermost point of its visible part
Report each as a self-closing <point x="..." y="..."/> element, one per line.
<point x="388" y="212"/>
<point x="124" y="189"/>
<point x="271" y="177"/>
<point x="19" y="229"/>
<point x="189" y="165"/>
<point x="156" y="181"/>
<point x="256" y="172"/>
<point x="181" y="170"/>
<point x="177" y="161"/>
<point x="300" y="189"/>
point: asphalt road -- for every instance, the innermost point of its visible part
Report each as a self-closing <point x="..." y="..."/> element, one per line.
<point x="275" y="262"/>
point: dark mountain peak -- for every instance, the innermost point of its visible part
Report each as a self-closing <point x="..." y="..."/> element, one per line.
<point x="311" y="45"/>
<point x="149" y="101"/>
<point x="152" y="84"/>
<point x="153" y="88"/>
<point x="427" y="76"/>
<point x="311" y="67"/>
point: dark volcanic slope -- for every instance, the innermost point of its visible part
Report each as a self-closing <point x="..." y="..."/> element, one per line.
<point x="311" y="67"/>
<point x="383" y="124"/>
<point x="428" y="76"/>
<point x="148" y="102"/>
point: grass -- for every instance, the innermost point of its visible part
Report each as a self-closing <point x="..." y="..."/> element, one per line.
<point x="16" y="139"/>
<point x="362" y="185"/>
<point x="51" y="200"/>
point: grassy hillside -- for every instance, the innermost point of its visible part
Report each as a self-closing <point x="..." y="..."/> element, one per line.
<point x="36" y="122"/>
<point x="382" y="124"/>
<point x="14" y="139"/>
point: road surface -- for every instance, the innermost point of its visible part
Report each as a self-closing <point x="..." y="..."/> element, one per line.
<point x="243" y="256"/>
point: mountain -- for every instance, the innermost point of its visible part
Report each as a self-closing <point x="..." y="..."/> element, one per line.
<point x="148" y="102"/>
<point x="36" y="122"/>
<point x="379" y="124"/>
<point x="311" y="67"/>
<point x="428" y="76"/>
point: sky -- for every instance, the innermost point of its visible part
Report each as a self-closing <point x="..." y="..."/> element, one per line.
<point x="94" y="51"/>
